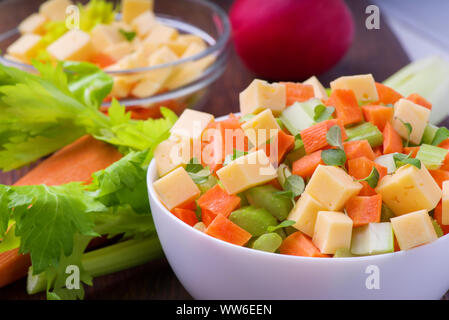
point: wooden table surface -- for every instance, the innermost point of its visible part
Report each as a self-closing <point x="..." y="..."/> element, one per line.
<point x="375" y="51"/>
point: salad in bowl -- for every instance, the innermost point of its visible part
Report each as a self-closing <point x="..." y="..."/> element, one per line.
<point x="354" y="170"/>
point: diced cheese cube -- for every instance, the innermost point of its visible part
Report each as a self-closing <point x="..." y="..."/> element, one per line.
<point x="246" y="172"/>
<point x="177" y="47"/>
<point x="333" y="231"/>
<point x="417" y="116"/>
<point x="261" y="128"/>
<point x="25" y="47"/>
<point x="409" y="189"/>
<point x="176" y="188"/>
<point x="55" y="10"/>
<point x="332" y="187"/>
<point x="104" y="36"/>
<point x="162" y="56"/>
<point x="33" y="24"/>
<point x="413" y="229"/>
<point x="188" y="39"/>
<point x="318" y="89"/>
<point x="119" y="50"/>
<point x="191" y="124"/>
<point x="161" y="34"/>
<point x="189" y="72"/>
<point x="144" y="23"/>
<point x="145" y="88"/>
<point x="363" y="86"/>
<point x="305" y="213"/>
<point x="261" y="95"/>
<point x="373" y="238"/>
<point x="122" y="86"/>
<point x="193" y="49"/>
<point x="75" y="45"/>
<point x="171" y="154"/>
<point x="134" y="8"/>
<point x="445" y="204"/>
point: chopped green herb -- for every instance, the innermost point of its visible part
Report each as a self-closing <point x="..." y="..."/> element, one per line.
<point x="373" y="178"/>
<point x="441" y="135"/>
<point x="334" y="137"/>
<point x="295" y="184"/>
<point x="334" y="157"/>
<point x="401" y="159"/>
<point x="283" y="224"/>
<point x="128" y="35"/>
<point x="323" y="113"/>
<point x="409" y="128"/>
<point x="194" y="166"/>
<point x="235" y="155"/>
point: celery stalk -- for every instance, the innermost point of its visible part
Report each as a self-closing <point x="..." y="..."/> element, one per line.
<point x="429" y="134"/>
<point x="431" y="156"/>
<point x="111" y="259"/>
<point x="365" y="131"/>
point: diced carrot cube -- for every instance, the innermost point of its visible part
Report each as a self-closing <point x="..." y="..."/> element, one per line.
<point x="217" y="201"/>
<point x="363" y="210"/>
<point x="392" y="140"/>
<point x="413" y="150"/>
<point x="416" y="98"/>
<point x="305" y="166"/>
<point x="314" y="137"/>
<point x="282" y="143"/>
<point x="386" y="94"/>
<point x="188" y="216"/>
<point x="224" y="229"/>
<point x="298" y="244"/>
<point x="298" y="92"/>
<point x="439" y="176"/>
<point x="378" y="151"/>
<point x="357" y="149"/>
<point x="360" y="168"/>
<point x="346" y="106"/>
<point x="378" y="115"/>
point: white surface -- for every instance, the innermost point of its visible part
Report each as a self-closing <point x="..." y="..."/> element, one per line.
<point x="213" y="269"/>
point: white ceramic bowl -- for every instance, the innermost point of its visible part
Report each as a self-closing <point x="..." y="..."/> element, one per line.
<point x="213" y="269"/>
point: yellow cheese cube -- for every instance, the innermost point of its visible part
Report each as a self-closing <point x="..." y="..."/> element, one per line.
<point x="119" y="50"/>
<point x="193" y="49"/>
<point x="363" y="86"/>
<point x="409" y="189"/>
<point x="188" y="39"/>
<point x="176" y="188"/>
<point x="171" y="154"/>
<point x="33" y="24"/>
<point x="261" y="128"/>
<point x="332" y="187"/>
<point x="161" y="34"/>
<point x="191" y="124"/>
<point x="177" y="47"/>
<point x="318" y="89"/>
<point x="413" y="229"/>
<point x="145" y="88"/>
<point x="122" y="86"/>
<point x="55" y="10"/>
<point x="75" y="45"/>
<point x="189" y="72"/>
<point x="134" y="8"/>
<point x="445" y="203"/>
<point x="333" y="231"/>
<point x="26" y="47"/>
<point x="104" y="36"/>
<point x="162" y="56"/>
<point x="305" y="213"/>
<point x="246" y="172"/>
<point x="406" y="111"/>
<point x="144" y="23"/>
<point x="261" y="95"/>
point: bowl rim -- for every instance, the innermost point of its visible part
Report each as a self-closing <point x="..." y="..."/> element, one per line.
<point x="153" y="197"/>
<point x="215" y="46"/>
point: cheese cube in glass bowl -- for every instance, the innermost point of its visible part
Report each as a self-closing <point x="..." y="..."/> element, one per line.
<point x="166" y="57"/>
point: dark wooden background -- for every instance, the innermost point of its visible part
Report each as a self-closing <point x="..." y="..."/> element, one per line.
<point x="375" y="51"/>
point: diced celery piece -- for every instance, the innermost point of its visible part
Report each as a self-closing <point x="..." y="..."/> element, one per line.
<point x="365" y="131"/>
<point x="297" y="152"/>
<point x="269" y="242"/>
<point x="299" y="115"/>
<point x="431" y="156"/>
<point x="243" y="201"/>
<point x="209" y="184"/>
<point x="387" y="161"/>
<point x="429" y="134"/>
<point x="254" y="220"/>
<point x="283" y="173"/>
<point x="265" y="197"/>
<point x="437" y="228"/>
<point x="373" y="238"/>
<point x="343" y="253"/>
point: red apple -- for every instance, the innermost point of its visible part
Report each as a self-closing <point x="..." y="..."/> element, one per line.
<point x="291" y="39"/>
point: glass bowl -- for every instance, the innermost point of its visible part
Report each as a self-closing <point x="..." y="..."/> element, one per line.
<point x="199" y="17"/>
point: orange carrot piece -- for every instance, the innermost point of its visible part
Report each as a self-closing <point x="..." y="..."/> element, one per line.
<point x="444" y="144"/>
<point x="298" y="244"/>
<point x="189" y="205"/>
<point x="392" y="140"/>
<point x="363" y="210"/>
<point x="360" y="168"/>
<point x="314" y="137"/>
<point x="413" y="150"/>
<point x="224" y="229"/>
<point x="416" y="98"/>
<point x="445" y="164"/>
<point x="378" y="151"/>
<point x="439" y="176"/>
<point x="275" y="183"/>
<point x="13" y="266"/>
<point x="282" y="143"/>
<point x="188" y="216"/>
<point x="75" y="162"/>
<point x="346" y="106"/>
<point x="305" y="166"/>
<point x="386" y="94"/>
<point x="215" y="202"/>
<point x="378" y="115"/>
<point x="438" y="215"/>
<point x="357" y="149"/>
<point x="102" y="60"/>
<point x="298" y="92"/>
